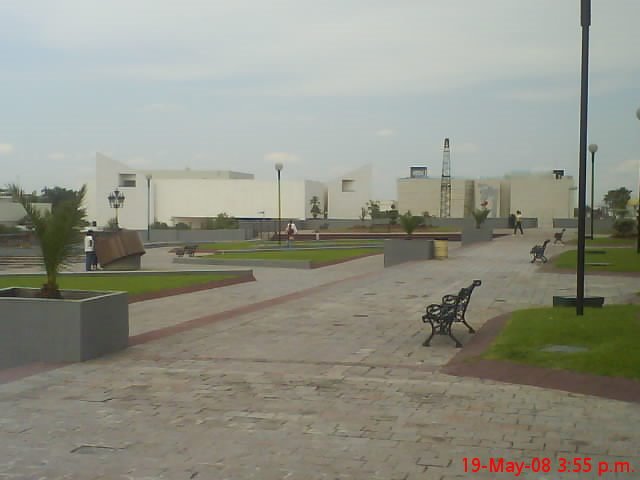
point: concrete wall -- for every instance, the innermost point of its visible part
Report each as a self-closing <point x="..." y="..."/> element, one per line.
<point x="398" y="251"/>
<point x="600" y="225"/>
<point x="538" y="196"/>
<point x="196" y="236"/>
<point x="419" y="195"/>
<point x="88" y="325"/>
<point x="195" y="195"/>
<point x="542" y="196"/>
<point x="12" y="212"/>
<point x="346" y="203"/>
<point x="423" y="195"/>
<point x="489" y="190"/>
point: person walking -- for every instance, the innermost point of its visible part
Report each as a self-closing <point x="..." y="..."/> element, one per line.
<point x="89" y="250"/>
<point x="94" y="261"/>
<point x="518" y="224"/>
<point x="291" y="233"/>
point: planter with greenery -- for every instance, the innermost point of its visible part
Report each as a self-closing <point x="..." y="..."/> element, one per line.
<point x="408" y="249"/>
<point x="53" y="325"/>
<point x="478" y="230"/>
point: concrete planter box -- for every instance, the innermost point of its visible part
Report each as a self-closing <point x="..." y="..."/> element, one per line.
<point x="81" y="326"/>
<point x="471" y="234"/>
<point x="570" y="301"/>
<point x="406" y="250"/>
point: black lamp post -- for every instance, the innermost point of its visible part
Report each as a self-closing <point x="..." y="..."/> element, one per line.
<point x="585" y="22"/>
<point x="279" y="167"/>
<point x="148" y="177"/>
<point x="116" y="201"/>
<point x="593" y="148"/>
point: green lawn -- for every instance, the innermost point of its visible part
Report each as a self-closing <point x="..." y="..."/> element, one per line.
<point x="621" y="260"/>
<point x="315" y="256"/>
<point x="606" y="241"/>
<point x="611" y="333"/>
<point x="134" y="284"/>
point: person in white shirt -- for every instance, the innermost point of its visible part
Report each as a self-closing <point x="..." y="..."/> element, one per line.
<point x="518" y="224"/>
<point x="291" y="233"/>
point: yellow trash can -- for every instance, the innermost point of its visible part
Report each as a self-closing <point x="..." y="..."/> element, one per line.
<point x="441" y="249"/>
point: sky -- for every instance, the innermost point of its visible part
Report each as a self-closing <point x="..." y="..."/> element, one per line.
<point x="325" y="86"/>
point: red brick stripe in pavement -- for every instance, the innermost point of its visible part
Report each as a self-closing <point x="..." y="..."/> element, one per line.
<point x="234" y="312"/>
<point x="17" y="373"/>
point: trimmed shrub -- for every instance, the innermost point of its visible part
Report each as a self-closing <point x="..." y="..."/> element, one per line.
<point x="624" y="227"/>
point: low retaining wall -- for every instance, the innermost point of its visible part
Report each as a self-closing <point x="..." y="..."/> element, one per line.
<point x="195" y="236"/>
<point x="81" y="326"/>
<point x="398" y="251"/>
<point x="471" y="234"/>
<point x="254" y="262"/>
<point x="600" y="225"/>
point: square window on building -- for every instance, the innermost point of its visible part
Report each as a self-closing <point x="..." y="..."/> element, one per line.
<point x="348" y="185"/>
<point x="127" y="180"/>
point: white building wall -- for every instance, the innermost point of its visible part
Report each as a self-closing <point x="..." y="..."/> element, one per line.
<point x="419" y="195"/>
<point x="237" y="198"/>
<point x="543" y="196"/>
<point x="423" y="195"/>
<point x="133" y="214"/>
<point x="312" y="189"/>
<point x="349" y="193"/>
<point x="194" y="195"/>
<point x="489" y="190"/>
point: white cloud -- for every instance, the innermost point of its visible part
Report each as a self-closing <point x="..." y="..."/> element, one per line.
<point x="6" y="148"/>
<point x="342" y="48"/>
<point x="284" y="157"/>
<point x="628" y="166"/>
<point x="465" y="147"/>
<point x="138" y="162"/>
<point x="56" y="156"/>
<point x="161" y="107"/>
<point x="385" y="132"/>
<point x="542" y="94"/>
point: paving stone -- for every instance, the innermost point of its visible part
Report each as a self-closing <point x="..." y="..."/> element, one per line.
<point x="302" y="389"/>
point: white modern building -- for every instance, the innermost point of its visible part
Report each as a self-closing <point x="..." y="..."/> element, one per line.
<point x="349" y="193"/>
<point x="11" y="212"/>
<point x="544" y="196"/>
<point x="190" y="196"/>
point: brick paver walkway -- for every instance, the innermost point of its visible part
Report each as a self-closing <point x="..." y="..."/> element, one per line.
<point x="327" y="383"/>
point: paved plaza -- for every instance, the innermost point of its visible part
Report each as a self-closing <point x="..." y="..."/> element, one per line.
<point x="316" y="374"/>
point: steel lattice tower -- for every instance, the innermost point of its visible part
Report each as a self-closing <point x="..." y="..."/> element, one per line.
<point x="445" y="184"/>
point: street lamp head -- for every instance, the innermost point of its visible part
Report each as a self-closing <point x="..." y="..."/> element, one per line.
<point x="279" y="166"/>
<point x="148" y="176"/>
<point x="593" y="148"/>
<point x="116" y="199"/>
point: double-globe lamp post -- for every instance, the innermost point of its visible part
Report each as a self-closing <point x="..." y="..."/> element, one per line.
<point x="593" y="148"/>
<point x="116" y="201"/>
<point x="279" y="166"/>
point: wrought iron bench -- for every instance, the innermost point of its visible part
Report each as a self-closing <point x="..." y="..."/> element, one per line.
<point x="537" y="252"/>
<point x="557" y="237"/>
<point x="189" y="250"/>
<point x="453" y="308"/>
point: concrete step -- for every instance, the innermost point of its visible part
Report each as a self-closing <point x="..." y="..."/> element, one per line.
<point x="31" y="261"/>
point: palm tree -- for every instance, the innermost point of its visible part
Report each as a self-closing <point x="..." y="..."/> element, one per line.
<point x="57" y="231"/>
<point x="410" y="222"/>
<point x="480" y="215"/>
